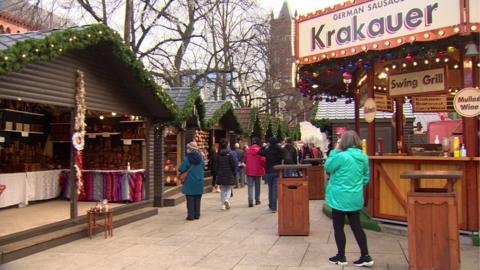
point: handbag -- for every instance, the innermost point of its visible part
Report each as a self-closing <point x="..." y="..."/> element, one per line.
<point x="184" y="175"/>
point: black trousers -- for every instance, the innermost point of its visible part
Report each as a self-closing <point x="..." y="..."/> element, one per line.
<point x="214" y="180"/>
<point x="338" y="218"/>
<point x="193" y="206"/>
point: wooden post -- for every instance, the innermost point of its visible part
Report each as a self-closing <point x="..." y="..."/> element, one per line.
<point x="370" y="193"/>
<point x="470" y="124"/>
<point x="371" y="126"/>
<point x="470" y="78"/>
<point x="72" y="175"/>
<point x="399" y="122"/>
<point x="157" y="162"/>
<point x="356" y="109"/>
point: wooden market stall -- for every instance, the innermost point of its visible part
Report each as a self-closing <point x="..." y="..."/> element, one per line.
<point x="378" y="57"/>
<point x="222" y="122"/>
<point x="250" y="122"/>
<point x="188" y="126"/>
<point x="45" y="79"/>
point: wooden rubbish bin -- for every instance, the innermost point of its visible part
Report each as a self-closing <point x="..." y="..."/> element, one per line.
<point x="432" y="222"/>
<point x="316" y="180"/>
<point x="293" y="212"/>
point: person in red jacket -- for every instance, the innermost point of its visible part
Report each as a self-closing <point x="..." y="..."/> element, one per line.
<point x="255" y="169"/>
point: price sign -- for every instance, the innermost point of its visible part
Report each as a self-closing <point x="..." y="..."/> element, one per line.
<point x="24" y="134"/>
<point x="127" y="142"/>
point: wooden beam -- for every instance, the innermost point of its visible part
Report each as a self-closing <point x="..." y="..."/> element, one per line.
<point x="392" y="187"/>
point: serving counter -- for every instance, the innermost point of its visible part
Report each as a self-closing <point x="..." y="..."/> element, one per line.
<point x="387" y="194"/>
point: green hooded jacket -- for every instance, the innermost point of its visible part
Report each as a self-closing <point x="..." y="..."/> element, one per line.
<point x="349" y="172"/>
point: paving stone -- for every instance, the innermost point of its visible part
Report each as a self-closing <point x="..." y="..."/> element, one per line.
<point x="242" y="238"/>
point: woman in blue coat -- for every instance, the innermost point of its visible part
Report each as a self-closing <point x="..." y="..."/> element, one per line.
<point x="349" y="173"/>
<point x="193" y="185"/>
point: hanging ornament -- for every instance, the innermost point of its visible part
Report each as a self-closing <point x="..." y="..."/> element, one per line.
<point x="342" y="68"/>
<point x="316" y="98"/>
<point x="389" y="55"/>
<point x="347" y="79"/>
<point x="450" y="49"/>
<point x="409" y="58"/>
<point x="315" y="74"/>
<point x="350" y="66"/>
<point x="320" y="98"/>
<point x="441" y="53"/>
<point x="329" y="72"/>
<point x="366" y="66"/>
<point x="327" y="99"/>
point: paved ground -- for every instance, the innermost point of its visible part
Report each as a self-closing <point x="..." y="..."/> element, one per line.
<point x="241" y="238"/>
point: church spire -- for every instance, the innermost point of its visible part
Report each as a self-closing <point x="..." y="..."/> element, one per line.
<point x="284" y="12"/>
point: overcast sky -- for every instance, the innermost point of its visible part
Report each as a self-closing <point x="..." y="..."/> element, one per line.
<point x="302" y="6"/>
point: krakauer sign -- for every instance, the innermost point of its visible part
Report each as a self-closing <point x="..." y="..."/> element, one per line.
<point x="417" y="83"/>
<point x="374" y="21"/>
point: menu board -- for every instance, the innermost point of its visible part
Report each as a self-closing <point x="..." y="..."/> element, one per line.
<point x="384" y="103"/>
<point x="442" y="103"/>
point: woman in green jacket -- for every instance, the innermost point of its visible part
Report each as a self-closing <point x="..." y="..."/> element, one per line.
<point x="349" y="173"/>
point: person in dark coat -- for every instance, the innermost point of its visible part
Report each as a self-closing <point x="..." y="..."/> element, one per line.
<point x="290" y="156"/>
<point x="193" y="185"/>
<point x="273" y="154"/>
<point x="240" y="176"/>
<point x="225" y="167"/>
<point x="211" y="166"/>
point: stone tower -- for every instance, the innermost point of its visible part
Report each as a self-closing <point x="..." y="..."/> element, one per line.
<point x="288" y="103"/>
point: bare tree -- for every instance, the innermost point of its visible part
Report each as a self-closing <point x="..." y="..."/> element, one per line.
<point x="184" y="42"/>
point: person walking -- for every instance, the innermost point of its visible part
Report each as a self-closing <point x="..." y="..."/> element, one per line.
<point x="225" y="166"/>
<point x="273" y="154"/>
<point x="349" y="173"/>
<point x="211" y="166"/>
<point x="193" y="164"/>
<point x="240" y="177"/>
<point x="290" y="156"/>
<point x="255" y="169"/>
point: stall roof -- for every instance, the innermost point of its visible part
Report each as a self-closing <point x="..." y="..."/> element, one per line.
<point x="216" y="110"/>
<point x="248" y="118"/>
<point x="20" y="49"/>
<point x="188" y="100"/>
<point x="341" y="111"/>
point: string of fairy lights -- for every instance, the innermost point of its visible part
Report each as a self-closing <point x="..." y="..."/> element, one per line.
<point x="411" y="58"/>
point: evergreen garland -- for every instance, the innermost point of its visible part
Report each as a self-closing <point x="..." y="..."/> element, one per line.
<point x="193" y="100"/>
<point x="313" y="114"/>
<point x="57" y="43"/>
<point x="254" y="119"/>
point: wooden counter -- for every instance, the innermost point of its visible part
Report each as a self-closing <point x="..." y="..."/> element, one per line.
<point x="387" y="194"/>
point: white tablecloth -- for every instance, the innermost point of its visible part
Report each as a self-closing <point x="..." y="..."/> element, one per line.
<point x="43" y="185"/>
<point x="16" y="189"/>
<point x="30" y="186"/>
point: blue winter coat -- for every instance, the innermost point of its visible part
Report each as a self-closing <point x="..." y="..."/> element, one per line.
<point x="349" y="172"/>
<point x="194" y="182"/>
